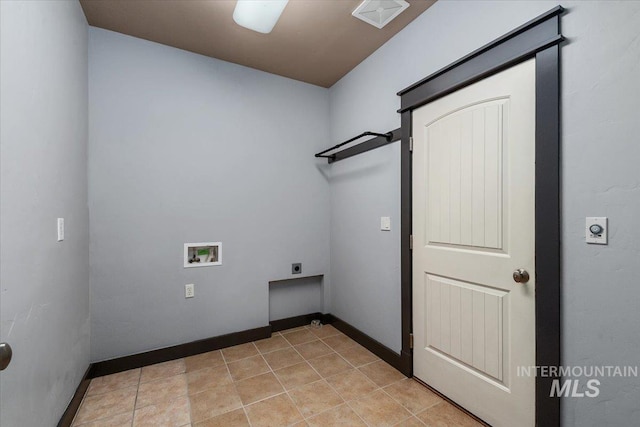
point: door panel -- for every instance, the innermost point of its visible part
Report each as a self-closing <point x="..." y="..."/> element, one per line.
<point x="464" y="150"/>
<point x="464" y="324"/>
<point x="473" y="225"/>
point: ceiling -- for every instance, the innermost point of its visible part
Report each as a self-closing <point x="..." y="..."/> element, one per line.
<point x="315" y="41"/>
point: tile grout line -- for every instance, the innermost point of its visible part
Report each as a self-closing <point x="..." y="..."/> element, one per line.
<point x="135" y="401"/>
<point x="166" y="399"/>
<point x="292" y="346"/>
<point x="378" y="387"/>
<point x="86" y="395"/>
<point x="186" y="378"/>
<point x="310" y="365"/>
<point x="415" y="414"/>
<point x="344" y="402"/>
<point x="354" y="367"/>
<point x="280" y="382"/>
<point x="224" y="359"/>
<point x="243" y="379"/>
<point x="244" y="409"/>
<point x="411" y="414"/>
<point x="186" y="373"/>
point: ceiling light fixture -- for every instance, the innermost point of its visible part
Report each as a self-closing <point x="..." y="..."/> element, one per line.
<point x="379" y="12"/>
<point x="259" y="15"/>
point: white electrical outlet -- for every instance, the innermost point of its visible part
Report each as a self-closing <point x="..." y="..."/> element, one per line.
<point x="189" y="290"/>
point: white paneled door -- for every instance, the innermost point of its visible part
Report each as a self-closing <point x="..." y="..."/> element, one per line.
<point x="473" y="227"/>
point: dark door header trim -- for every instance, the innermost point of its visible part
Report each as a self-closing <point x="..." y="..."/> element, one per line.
<point x="510" y="49"/>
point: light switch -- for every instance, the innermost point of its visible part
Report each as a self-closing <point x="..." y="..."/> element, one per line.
<point x="385" y="223"/>
<point x="60" y="229"/>
<point x="596" y="230"/>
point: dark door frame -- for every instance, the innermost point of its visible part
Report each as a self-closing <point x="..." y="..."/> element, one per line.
<point x="539" y="38"/>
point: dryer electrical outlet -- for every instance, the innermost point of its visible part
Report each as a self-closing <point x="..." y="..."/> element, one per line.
<point x="296" y="268"/>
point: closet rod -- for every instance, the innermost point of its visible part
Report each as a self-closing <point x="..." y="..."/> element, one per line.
<point x="378" y="141"/>
<point x="387" y="136"/>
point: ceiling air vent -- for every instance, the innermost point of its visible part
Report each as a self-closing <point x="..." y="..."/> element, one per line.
<point x="379" y="12"/>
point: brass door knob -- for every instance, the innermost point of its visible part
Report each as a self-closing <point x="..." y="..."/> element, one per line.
<point x="520" y="276"/>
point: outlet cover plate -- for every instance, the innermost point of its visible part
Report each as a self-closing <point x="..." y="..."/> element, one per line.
<point x="189" y="290"/>
<point x="296" y="268"/>
<point x="60" y="229"/>
<point x="385" y="223"/>
<point x="596" y="239"/>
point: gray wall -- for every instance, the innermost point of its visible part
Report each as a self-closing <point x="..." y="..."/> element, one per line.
<point x="295" y="297"/>
<point x="43" y="133"/>
<point x="185" y="148"/>
<point x="365" y="261"/>
<point x="600" y="110"/>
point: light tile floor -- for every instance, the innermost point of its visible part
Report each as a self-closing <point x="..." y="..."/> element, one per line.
<point x="299" y="377"/>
